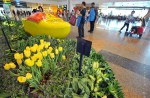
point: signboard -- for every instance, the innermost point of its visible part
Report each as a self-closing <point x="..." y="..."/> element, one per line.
<point x="84" y="46"/>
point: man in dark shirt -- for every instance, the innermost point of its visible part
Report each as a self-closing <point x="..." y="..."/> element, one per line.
<point x="81" y="25"/>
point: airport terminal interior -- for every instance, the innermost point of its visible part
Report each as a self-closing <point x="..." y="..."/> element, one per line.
<point x="74" y="48"/>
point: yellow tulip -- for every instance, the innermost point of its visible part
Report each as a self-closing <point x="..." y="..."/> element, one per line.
<point x="44" y="43"/>
<point x="41" y="46"/>
<point x="52" y="55"/>
<point x="18" y="56"/>
<point x="39" y="49"/>
<point x="19" y="61"/>
<point x="44" y="53"/>
<point x="64" y="57"/>
<point x="50" y="48"/>
<point x="35" y="45"/>
<point x="46" y="46"/>
<point x="21" y="55"/>
<point x="56" y="51"/>
<point x="28" y="76"/>
<point x="41" y="41"/>
<point x="27" y="53"/>
<point x="48" y="51"/>
<point x="34" y="58"/>
<point x="12" y="65"/>
<point x="48" y="43"/>
<point x="29" y="62"/>
<point x="95" y="65"/>
<point x="28" y="48"/>
<point x="39" y="63"/>
<point x="6" y="66"/>
<point x="104" y="96"/>
<point x="60" y="49"/>
<point x="39" y="56"/>
<point x="33" y="49"/>
<point x="21" y="79"/>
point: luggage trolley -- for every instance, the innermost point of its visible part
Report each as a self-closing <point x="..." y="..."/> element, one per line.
<point x="138" y="30"/>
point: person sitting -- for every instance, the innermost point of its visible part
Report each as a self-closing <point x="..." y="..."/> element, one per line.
<point x="40" y="9"/>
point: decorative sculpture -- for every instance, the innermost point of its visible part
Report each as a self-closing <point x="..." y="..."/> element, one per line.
<point x="46" y="24"/>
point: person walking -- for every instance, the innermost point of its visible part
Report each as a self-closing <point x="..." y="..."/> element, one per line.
<point x="100" y="18"/>
<point x="58" y="13"/>
<point x="82" y="21"/>
<point x="68" y="15"/>
<point x="19" y="14"/>
<point x="14" y="13"/>
<point x="63" y="14"/>
<point x="92" y="17"/>
<point x="129" y="19"/>
<point x="73" y="12"/>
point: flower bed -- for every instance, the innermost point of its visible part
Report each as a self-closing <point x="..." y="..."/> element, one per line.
<point x="46" y="67"/>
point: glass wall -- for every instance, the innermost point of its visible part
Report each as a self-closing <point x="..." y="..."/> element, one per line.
<point x="1" y="11"/>
<point x="123" y="12"/>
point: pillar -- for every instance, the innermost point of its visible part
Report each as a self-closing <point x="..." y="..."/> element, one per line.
<point x="70" y="5"/>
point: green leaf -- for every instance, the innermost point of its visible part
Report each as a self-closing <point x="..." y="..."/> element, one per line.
<point x="75" y="85"/>
<point x="4" y="95"/>
<point x="80" y="85"/>
<point x="86" y="96"/>
<point x="76" y="96"/>
<point x="35" y="90"/>
<point x="13" y="74"/>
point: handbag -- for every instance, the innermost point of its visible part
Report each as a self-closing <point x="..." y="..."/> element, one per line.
<point x="78" y="21"/>
<point x="73" y="20"/>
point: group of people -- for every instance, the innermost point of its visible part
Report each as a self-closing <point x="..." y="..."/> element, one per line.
<point x="20" y="13"/>
<point x="91" y="17"/>
<point x="40" y="9"/>
<point x="64" y="14"/>
<point x="25" y="13"/>
<point x="85" y="15"/>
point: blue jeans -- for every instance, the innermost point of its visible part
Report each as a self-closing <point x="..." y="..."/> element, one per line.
<point x="81" y="30"/>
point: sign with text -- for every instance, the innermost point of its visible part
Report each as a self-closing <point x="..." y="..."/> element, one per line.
<point x="84" y="46"/>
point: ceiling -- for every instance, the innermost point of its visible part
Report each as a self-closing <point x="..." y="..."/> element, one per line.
<point x="46" y="1"/>
<point x="77" y="1"/>
<point x="101" y="3"/>
<point x="127" y="4"/>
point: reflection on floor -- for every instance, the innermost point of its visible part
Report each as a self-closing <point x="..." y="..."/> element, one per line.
<point x="128" y="56"/>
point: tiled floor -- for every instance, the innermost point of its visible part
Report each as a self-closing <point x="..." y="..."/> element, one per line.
<point x="133" y="74"/>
